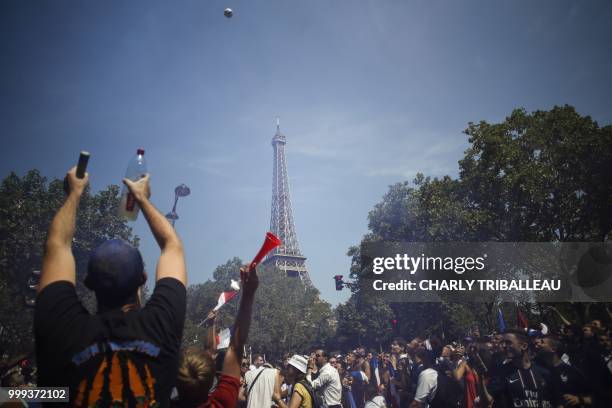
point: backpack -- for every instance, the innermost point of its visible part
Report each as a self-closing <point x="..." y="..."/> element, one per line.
<point x="317" y="401"/>
<point x="449" y="393"/>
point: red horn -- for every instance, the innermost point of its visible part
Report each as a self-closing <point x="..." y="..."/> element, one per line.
<point x="269" y="244"/>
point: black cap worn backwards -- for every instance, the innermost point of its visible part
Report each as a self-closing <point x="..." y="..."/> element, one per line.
<point x="115" y="272"/>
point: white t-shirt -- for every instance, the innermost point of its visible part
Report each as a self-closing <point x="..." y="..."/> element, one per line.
<point x="260" y="394"/>
<point x="376" y="402"/>
<point x="426" y="386"/>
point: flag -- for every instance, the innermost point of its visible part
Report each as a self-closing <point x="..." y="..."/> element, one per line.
<point x="235" y="285"/>
<point x="500" y="320"/>
<point x="521" y="320"/>
<point x="223" y="338"/>
<point x="224" y="298"/>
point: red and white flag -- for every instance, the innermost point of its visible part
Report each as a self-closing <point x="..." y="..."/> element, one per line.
<point x="223" y="338"/>
<point x="521" y="320"/>
<point x="224" y="298"/>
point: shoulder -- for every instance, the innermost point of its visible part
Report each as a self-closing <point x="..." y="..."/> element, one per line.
<point x="228" y="381"/>
<point x="539" y="370"/>
<point x="57" y="302"/>
<point x="226" y="393"/>
<point x="270" y="372"/>
<point x="52" y="291"/>
<point x="168" y="292"/>
<point x="429" y="372"/>
<point x="301" y="389"/>
<point x="428" y="375"/>
<point x="250" y="375"/>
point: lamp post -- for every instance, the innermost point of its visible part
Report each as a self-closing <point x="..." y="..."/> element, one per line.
<point x="180" y="191"/>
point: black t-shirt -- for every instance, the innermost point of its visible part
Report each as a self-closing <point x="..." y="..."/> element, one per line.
<point x="529" y="387"/>
<point x="568" y="380"/>
<point x="112" y="356"/>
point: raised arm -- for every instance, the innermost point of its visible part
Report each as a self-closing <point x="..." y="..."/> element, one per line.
<point x="171" y="262"/>
<point x="211" y="332"/>
<point x="58" y="262"/>
<point x="233" y="357"/>
<point x="276" y="396"/>
<point x="563" y="319"/>
<point x="321" y="380"/>
<point x="459" y="372"/>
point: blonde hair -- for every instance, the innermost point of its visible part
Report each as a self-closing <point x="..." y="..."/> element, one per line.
<point x="195" y="375"/>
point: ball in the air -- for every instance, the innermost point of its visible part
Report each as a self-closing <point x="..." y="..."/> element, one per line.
<point x="228" y="13"/>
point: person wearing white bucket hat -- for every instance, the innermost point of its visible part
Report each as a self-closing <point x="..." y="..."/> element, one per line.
<point x="302" y="393"/>
<point x="299" y="362"/>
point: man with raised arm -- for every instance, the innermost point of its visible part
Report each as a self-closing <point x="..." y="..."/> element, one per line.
<point x="327" y="383"/>
<point x="197" y="367"/>
<point x="125" y="354"/>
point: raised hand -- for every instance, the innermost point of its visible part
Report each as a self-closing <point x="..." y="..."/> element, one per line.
<point x="140" y="189"/>
<point x="74" y="184"/>
<point x="249" y="279"/>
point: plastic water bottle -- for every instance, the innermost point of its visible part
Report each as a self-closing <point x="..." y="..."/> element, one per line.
<point x="137" y="168"/>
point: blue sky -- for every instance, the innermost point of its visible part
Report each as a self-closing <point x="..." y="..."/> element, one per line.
<point x="369" y="92"/>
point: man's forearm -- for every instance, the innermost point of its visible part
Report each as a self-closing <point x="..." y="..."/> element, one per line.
<point x="160" y="227"/>
<point x="317" y="382"/>
<point x="211" y="337"/>
<point x="276" y="396"/>
<point x="58" y="262"/>
<point x="243" y="322"/>
<point x="61" y="230"/>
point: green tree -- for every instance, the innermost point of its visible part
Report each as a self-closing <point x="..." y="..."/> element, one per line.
<point x="287" y="315"/>
<point x="27" y="205"/>
<point x="363" y="321"/>
<point x="541" y="176"/>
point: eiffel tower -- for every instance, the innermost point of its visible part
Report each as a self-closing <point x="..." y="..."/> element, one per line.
<point x="286" y="257"/>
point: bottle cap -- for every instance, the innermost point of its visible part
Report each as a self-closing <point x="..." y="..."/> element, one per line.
<point x="140" y="151"/>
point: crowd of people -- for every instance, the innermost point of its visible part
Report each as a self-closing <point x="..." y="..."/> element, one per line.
<point x="131" y="356"/>
<point x="572" y="368"/>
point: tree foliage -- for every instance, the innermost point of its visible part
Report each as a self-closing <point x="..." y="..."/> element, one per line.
<point x="287" y="315"/>
<point x="541" y="176"/>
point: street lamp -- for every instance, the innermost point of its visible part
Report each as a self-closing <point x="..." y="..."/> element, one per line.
<point x="180" y="191"/>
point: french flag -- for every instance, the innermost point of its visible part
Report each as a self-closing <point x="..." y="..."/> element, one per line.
<point x="224" y="298"/>
<point x="223" y="338"/>
<point x="521" y="320"/>
<point x="500" y="321"/>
